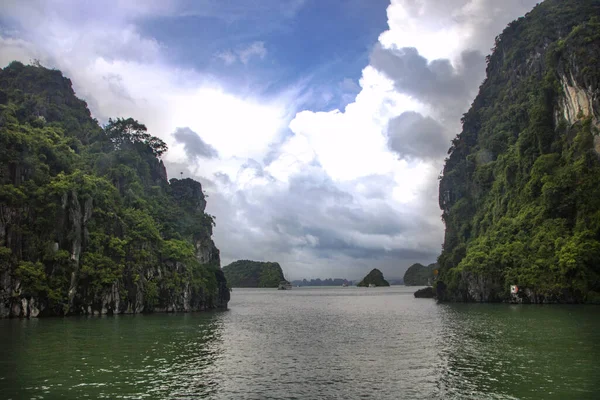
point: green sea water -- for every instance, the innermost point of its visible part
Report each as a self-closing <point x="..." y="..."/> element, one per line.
<point x="310" y="343"/>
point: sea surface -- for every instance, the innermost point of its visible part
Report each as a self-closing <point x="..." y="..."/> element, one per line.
<point x="310" y="343"/>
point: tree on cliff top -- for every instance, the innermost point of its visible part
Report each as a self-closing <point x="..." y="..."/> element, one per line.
<point x="129" y="132"/>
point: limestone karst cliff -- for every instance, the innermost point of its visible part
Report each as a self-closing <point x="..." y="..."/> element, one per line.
<point x="520" y="191"/>
<point x="89" y="223"/>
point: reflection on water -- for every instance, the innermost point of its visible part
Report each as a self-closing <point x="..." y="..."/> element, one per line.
<point x="308" y="343"/>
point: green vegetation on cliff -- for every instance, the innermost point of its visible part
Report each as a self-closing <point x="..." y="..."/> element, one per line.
<point x="88" y="221"/>
<point x="246" y="273"/>
<point x="375" y="277"/>
<point x="419" y="275"/>
<point x="520" y="191"/>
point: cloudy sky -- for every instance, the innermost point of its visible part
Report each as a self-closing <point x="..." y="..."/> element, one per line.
<point x="318" y="128"/>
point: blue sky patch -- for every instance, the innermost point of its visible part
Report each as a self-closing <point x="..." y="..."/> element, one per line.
<point x="319" y="43"/>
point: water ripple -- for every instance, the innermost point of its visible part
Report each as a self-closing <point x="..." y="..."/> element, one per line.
<point x="310" y="343"/>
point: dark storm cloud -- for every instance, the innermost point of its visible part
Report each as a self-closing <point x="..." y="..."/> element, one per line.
<point x="194" y="146"/>
<point x="382" y="221"/>
<point x="412" y="135"/>
<point x="336" y="223"/>
<point x="448" y="89"/>
<point x="438" y="82"/>
<point x="317" y="187"/>
<point x="332" y="245"/>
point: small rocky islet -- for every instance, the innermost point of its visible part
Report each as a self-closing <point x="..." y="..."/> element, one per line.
<point x="373" y="278"/>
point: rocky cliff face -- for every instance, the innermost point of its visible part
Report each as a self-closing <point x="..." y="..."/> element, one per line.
<point x="123" y="296"/>
<point x="577" y="102"/>
<point x="89" y="223"/>
<point x="519" y="189"/>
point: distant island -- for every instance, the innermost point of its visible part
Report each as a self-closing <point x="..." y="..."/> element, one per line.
<point x="419" y="275"/>
<point x="375" y="277"/>
<point x="258" y="274"/>
<point x="322" y="282"/>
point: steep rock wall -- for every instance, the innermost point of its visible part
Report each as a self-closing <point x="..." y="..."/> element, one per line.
<point x="519" y="190"/>
<point x="89" y="223"/>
